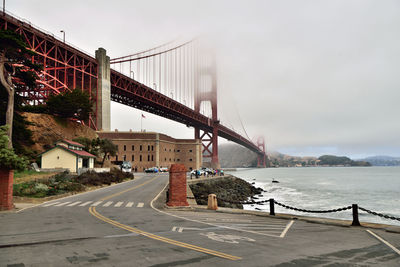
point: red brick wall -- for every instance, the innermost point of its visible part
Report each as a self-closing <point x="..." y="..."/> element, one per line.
<point x="6" y="189"/>
<point x="177" y="186"/>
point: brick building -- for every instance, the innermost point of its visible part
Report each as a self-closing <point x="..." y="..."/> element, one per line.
<point x="148" y="149"/>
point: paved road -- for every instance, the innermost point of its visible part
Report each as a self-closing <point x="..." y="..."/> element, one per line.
<point x="117" y="226"/>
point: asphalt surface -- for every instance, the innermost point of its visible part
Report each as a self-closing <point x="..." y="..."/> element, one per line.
<point x="120" y="226"/>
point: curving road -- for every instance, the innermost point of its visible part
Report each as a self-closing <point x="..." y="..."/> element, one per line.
<point x="121" y="225"/>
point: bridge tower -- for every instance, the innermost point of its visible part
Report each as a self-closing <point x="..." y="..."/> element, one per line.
<point x="209" y="138"/>
<point x="261" y="158"/>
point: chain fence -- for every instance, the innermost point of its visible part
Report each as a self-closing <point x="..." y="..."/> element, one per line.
<point x="354" y="208"/>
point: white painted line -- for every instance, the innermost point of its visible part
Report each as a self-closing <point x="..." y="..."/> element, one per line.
<point x="174" y="229"/>
<point x="286" y="229"/>
<point x="107" y="204"/>
<point x="62" y="204"/>
<point x="180" y="229"/>
<point x="140" y="205"/>
<point x="129" y="205"/>
<point x="384" y="241"/>
<point x="84" y="204"/>
<point x="73" y="204"/>
<point x="96" y="203"/>
<point x="50" y="204"/>
<point x="119" y="204"/>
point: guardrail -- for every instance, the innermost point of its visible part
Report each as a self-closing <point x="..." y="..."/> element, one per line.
<point x="354" y="207"/>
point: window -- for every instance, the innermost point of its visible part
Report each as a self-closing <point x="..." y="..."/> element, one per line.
<point x="140" y="147"/>
<point x="165" y="159"/>
<point x="124" y="157"/>
<point x="170" y="150"/>
<point x="124" y="147"/>
<point x="140" y="158"/>
<point x="148" y="157"/>
<point x="178" y="160"/>
<point x="178" y="150"/>
<point x="152" y="158"/>
<point x="58" y="157"/>
<point x="133" y="148"/>
<point x="165" y="149"/>
<point x="117" y="147"/>
<point x="190" y="159"/>
<point x="152" y="148"/>
<point x="116" y="157"/>
<point x="133" y="158"/>
<point x="190" y="150"/>
<point x="148" y="148"/>
<point x="169" y="159"/>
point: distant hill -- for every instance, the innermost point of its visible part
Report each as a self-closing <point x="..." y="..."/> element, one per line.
<point x="382" y="161"/>
<point x="331" y="160"/>
<point x="236" y="156"/>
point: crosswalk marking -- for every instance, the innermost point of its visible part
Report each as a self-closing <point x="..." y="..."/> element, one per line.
<point x="129" y="205"/>
<point x="140" y="205"/>
<point x="107" y="204"/>
<point x="96" y="203"/>
<point x="84" y="204"/>
<point x="118" y="204"/>
<point x="62" y="204"/>
<point x="73" y="204"/>
<point x="50" y="204"/>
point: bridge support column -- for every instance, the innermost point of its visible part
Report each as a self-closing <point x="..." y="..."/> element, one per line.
<point x="103" y="116"/>
<point x="261" y="157"/>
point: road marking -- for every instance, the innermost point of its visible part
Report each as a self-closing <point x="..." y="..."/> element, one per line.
<point x="384" y="241"/>
<point x="227" y="238"/>
<point x="140" y="205"/>
<point x="51" y="204"/>
<point x="84" y="204"/>
<point x="127" y="190"/>
<point x="73" y="204"/>
<point x="286" y="229"/>
<point x="107" y="204"/>
<point x="129" y="205"/>
<point x="96" y="203"/>
<point x="62" y="204"/>
<point x="118" y="204"/>
<point x="93" y="211"/>
<point x="173" y="229"/>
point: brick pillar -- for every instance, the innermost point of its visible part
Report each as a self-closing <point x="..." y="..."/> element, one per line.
<point x="6" y="189"/>
<point x="177" y="186"/>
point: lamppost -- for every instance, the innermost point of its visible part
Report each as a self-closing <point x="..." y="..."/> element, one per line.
<point x="63" y="32"/>
<point x="155" y="86"/>
<point x="133" y="74"/>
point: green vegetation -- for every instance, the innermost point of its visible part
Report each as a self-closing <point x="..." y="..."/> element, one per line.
<point x="8" y="158"/>
<point x="64" y="182"/>
<point x="98" y="147"/>
<point x="74" y="104"/>
<point x="342" y="161"/>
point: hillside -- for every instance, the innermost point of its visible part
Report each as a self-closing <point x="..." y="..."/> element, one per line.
<point x="46" y="130"/>
<point x="235" y="156"/>
<point x="382" y="161"/>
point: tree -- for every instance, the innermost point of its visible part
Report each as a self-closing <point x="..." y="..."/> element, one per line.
<point x="107" y="147"/>
<point x="16" y="71"/>
<point x="8" y="159"/>
<point x="70" y="104"/>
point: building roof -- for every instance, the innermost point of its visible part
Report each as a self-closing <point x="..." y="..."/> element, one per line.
<point x="81" y="153"/>
<point x="71" y="143"/>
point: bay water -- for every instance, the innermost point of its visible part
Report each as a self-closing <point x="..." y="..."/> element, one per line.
<point x="322" y="188"/>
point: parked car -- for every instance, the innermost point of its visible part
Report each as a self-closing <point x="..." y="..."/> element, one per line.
<point x="126" y="166"/>
<point x="151" y="170"/>
<point x="164" y="169"/>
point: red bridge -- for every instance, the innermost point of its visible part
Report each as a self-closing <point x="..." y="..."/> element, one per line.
<point x="177" y="81"/>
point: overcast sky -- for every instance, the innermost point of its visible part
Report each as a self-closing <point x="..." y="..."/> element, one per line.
<point x="312" y="77"/>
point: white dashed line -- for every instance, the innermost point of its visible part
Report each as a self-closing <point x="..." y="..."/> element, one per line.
<point x="62" y="204"/>
<point x="73" y="204"/>
<point x="107" y="204"/>
<point x="129" y="205"/>
<point x="86" y="203"/>
<point x="96" y="203"/>
<point x="140" y="205"/>
<point x="50" y="204"/>
<point x="118" y="204"/>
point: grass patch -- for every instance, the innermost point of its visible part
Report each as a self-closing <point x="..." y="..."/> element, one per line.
<point x="61" y="121"/>
<point x="30" y="175"/>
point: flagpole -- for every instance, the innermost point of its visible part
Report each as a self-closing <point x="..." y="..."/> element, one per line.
<point x="141" y="122"/>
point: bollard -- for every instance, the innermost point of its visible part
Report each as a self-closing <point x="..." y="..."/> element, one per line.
<point x="355" y="222"/>
<point x="271" y="206"/>
<point x="212" y="202"/>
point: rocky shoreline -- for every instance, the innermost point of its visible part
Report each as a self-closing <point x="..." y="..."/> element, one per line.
<point x="228" y="189"/>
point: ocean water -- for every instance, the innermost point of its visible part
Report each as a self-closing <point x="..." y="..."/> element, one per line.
<point x="321" y="188"/>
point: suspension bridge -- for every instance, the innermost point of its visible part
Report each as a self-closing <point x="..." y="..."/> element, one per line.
<point x="177" y="81"/>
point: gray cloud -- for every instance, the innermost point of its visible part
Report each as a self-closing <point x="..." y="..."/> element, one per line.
<point x="313" y="77"/>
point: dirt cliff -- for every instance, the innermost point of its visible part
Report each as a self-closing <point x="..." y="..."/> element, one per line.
<point x="47" y="129"/>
